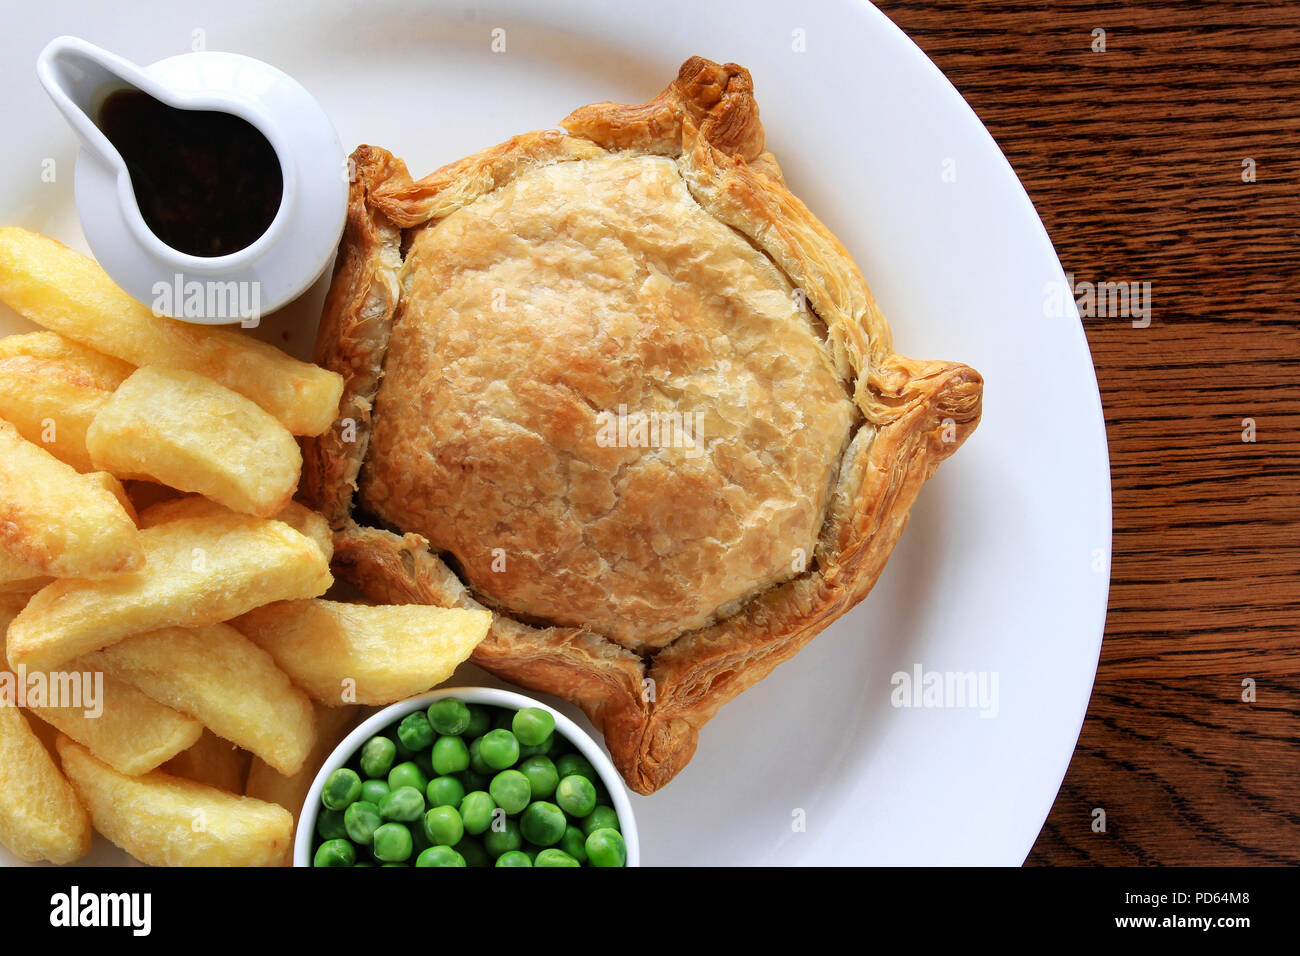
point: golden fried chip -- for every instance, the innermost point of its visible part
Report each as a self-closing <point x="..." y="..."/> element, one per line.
<point x="120" y="724"/>
<point x="127" y="729"/>
<point x="40" y="816"/>
<point x="164" y="820"/>
<point x="58" y="521"/>
<point x="297" y="516"/>
<point x="60" y="289"/>
<point x="197" y="571"/>
<point x="353" y="653"/>
<point x="19" y="576"/>
<point x="51" y="388"/>
<point x="104" y="371"/>
<point x="224" y="680"/>
<point x="186" y="431"/>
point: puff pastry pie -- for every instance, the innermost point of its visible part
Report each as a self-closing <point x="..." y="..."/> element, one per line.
<point x="619" y="385"/>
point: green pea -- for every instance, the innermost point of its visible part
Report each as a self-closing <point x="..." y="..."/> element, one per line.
<point x="576" y="795"/>
<point x="449" y="716"/>
<point x="362" y="819"/>
<point x="499" y="749"/>
<point x="497" y="841"/>
<point x="476" y="811"/>
<point x="531" y="852"/>
<point x="476" y="761"/>
<point x="542" y="823"/>
<point x="372" y="791"/>
<point x="514" y="858"/>
<point x="511" y="791"/>
<point x="443" y="826"/>
<point x="403" y="805"/>
<point x="569" y="764"/>
<point x="542" y="776"/>
<point x="415" y="731"/>
<point x="450" y="755"/>
<point x="503" y="719"/>
<point x="393" y="843"/>
<point x="533" y="750"/>
<point x="605" y="847"/>
<point x="342" y="787"/>
<point x="555" y="857"/>
<point x="480" y="722"/>
<point x="473" y="852"/>
<point x="407" y="775"/>
<point x="361" y="863"/>
<point x="574" y="843"/>
<point x="599" y="819"/>
<point x="377" y="756"/>
<point x="440" y="856"/>
<point x="330" y="826"/>
<point x="393" y="864"/>
<point x="532" y="725"/>
<point x="445" y="792"/>
<point x="335" y="853"/>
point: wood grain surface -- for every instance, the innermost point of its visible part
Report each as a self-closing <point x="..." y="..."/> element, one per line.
<point x="1136" y="157"/>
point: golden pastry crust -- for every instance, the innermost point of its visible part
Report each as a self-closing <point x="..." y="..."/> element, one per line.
<point x="622" y="419"/>
<point x="470" y="428"/>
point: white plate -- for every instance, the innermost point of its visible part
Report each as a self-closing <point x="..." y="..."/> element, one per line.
<point x="1004" y="567"/>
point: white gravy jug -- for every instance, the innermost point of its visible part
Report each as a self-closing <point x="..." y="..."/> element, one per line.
<point x="238" y="286"/>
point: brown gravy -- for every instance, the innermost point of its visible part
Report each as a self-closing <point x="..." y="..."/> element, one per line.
<point x="207" y="183"/>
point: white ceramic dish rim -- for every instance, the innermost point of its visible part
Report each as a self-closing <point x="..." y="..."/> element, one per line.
<point x="489" y="696"/>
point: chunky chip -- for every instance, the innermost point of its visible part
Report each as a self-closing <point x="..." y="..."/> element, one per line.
<point x="104" y="371"/>
<point x="354" y="653"/>
<point x="51" y="388"/>
<point x="58" y="521"/>
<point x="187" y="431"/>
<point x="19" y="576"/>
<point x="40" y="816"/>
<point x="122" y="726"/>
<point x="60" y="289"/>
<point x="223" y="679"/>
<point x="197" y="571"/>
<point x="297" y="516"/>
<point x="127" y="729"/>
<point x="163" y="820"/>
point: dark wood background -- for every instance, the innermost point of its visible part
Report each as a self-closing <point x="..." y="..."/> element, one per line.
<point x="1134" y="158"/>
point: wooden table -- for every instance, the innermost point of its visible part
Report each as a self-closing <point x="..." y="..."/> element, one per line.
<point x="1140" y="159"/>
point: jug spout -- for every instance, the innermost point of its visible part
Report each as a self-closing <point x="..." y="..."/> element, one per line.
<point x="79" y="76"/>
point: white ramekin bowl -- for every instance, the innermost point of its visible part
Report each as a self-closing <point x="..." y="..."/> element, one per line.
<point x="487" y="696"/>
